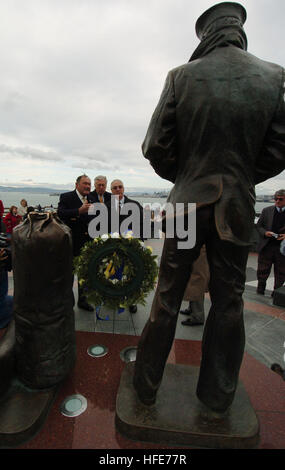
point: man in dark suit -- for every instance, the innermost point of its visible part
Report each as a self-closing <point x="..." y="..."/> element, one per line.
<point x="100" y="194"/>
<point x="117" y="203"/>
<point x="218" y="129"/>
<point x="271" y="227"/>
<point x="73" y="211"/>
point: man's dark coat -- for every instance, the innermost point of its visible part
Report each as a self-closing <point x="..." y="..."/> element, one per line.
<point x="68" y="206"/>
<point x="264" y="224"/>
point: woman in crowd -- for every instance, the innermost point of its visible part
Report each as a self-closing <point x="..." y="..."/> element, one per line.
<point x="22" y="209"/>
<point x="12" y="219"/>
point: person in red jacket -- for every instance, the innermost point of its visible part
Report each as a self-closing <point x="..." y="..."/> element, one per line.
<point x="12" y="219"/>
<point x="1" y="209"/>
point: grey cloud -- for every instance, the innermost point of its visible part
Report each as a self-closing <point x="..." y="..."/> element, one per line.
<point x="28" y="152"/>
<point x="93" y="164"/>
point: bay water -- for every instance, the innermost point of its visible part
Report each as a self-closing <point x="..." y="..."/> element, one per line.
<point x="46" y="200"/>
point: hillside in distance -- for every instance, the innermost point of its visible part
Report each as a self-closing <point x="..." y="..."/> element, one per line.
<point x="42" y="190"/>
<point x="29" y="189"/>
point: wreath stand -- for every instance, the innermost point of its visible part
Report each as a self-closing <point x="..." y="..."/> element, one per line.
<point x="115" y="312"/>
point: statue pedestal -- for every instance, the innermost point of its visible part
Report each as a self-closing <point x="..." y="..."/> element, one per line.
<point x="23" y="412"/>
<point x="176" y="417"/>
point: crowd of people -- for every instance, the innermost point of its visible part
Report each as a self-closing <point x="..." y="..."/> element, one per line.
<point x="73" y="209"/>
<point x="15" y="215"/>
<point x="7" y="223"/>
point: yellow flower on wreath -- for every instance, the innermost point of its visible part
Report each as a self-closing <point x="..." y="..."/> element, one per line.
<point x="110" y="270"/>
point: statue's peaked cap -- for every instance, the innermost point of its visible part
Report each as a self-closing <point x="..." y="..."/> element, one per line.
<point x="216" y="12"/>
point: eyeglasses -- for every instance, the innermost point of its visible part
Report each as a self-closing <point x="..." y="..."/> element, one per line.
<point x="279" y="198"/>
<point x="117" y="187"/>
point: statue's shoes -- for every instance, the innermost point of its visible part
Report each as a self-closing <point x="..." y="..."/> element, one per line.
<point x="210" y="415"/>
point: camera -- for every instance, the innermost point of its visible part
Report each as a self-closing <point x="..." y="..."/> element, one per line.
<point x="275" y="235"/>
<point x="5" y="244"/>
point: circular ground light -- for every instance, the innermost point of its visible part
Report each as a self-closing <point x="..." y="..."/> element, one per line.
<point x="73" y="405"/>
<point x="97" y="350"/>
<point x="129" y="354"/>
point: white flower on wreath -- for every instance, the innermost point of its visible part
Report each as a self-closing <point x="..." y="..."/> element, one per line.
<point x="105" y="237"/>
<point x="114" y="281"/>
<point x="115" y="235"/>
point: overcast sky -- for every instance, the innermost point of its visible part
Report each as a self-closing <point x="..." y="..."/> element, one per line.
<point x="80" y="79"/>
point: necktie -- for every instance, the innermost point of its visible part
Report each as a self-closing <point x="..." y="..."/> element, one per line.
<point x="100" y="198"/>
<point x="84" y="199"/>
<point x="118" y="206"/>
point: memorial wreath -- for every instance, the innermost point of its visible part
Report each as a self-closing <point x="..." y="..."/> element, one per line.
<point x="116" y="271"/>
